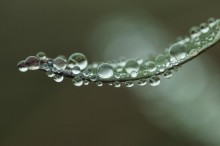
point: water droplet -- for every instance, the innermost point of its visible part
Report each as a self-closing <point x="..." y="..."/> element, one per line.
<point x="93" y="78"/>
<point x="204" y="28"/>
<point x="168" y="74"/>
<point x="142" y="82"/>
<point x="105" y="71"/>
<point x="41" y="55"/>
<point x="50" y="74"/>
<point x="117" y="84"/>
<point x="140" y="61"/>
<point x="161" y="61"/>
<point x="178" y="51"/>
<point x="99" y="83"/>
<point x="32" y="62"/>
<point x="194" y="32"/>
<point x="129" y="83"/>
<point x="150" y="66"/>
<point x="77" y="81"/>
<point x="134" y="74"/>
<point x="211" y="22"/>
<point x="59" y="63"/>
<point x="22" y="67"/>
<point x="117" y="75"/>
<point x="131" y="65"/>
<point x="58" y="78"/>
<point x="86" y="82"/>
<point x="154" y="81"/>
<point x="193" y="52"/>
<point x="78" y="59"/>
<point x="75" y="70"/>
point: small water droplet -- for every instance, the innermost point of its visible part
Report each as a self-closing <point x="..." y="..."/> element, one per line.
<point x="131" y="65"/>
<point x="117" y="84"/>
<point x="99" y="83"/>
<point x="178" y="51"/>
<point x="129" y="83"/>
<point x="204" y="28"/>
<point x="41" y="55"/>
<point x="76" y="70"/>
<point x="142" y="82"/>
<point x="32" y="62"/>
<point x="77" y="59"/>
<point x="22" y="67"/>
<point x="59" y="63"/>
<point x="168" y="74"/>
<point x="58" y="78"/>
<point x="193" y="52"/>
<point x="134" y="74"/>
<point x="86" y="82"/>
<point x="93" y="78"/>
<point x="140" y="61"/>
<point x="194" y="32"/>
<point x="50" y="74"/>
<point x="150" y="66"/>
<point x="77" y="81"/>
<point x="105" y="71"/>
<point x="154" y="81"/>
<point x="211" y="22"/>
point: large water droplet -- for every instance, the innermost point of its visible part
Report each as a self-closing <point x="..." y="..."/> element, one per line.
<point x="77" y="81"/>
<point x="60" y="63"/>
<point x="154" y="81"/>
<point x="78" y="59"/>
<point x="41" y="55"/>
<point x="131" y="65"/>
<point x="58" y="78"/>
<point x="178" y="51"/>
<point x="32" y="62"/>
<point x="105" y="71"/>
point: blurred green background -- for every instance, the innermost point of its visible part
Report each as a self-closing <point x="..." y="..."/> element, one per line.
<point x="36" y="111"/>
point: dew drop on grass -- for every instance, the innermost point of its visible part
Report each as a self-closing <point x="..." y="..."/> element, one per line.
<point x="105" y="71"/>
<point x="77" y="59"/>
<point x="76" y="70"/>
<point x="134" y="74"/>
<point x="204" y="28"/>
<point x="154" y="81"/>
<point x="50" y="74"/>
<point x="41" y="55"/>
<point x="142" y="82"/>
<point x="178" y="51"/>
<point x="168" y="74"/>
<point x="60" y="63"/>
<point x="150" y="66"/>
<point x="22" y="67"/>
<point x="99" y="84"/>
<point x="131" y="65"/>
<point x="32" y="62"/>
<point x="58" y="78"/>
<point x="129" y="83"/>
<point x="117" y="84"/>
<point x="77" y="81"/>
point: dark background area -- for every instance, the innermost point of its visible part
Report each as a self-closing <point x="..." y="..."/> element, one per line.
<point x="35" y="111"/>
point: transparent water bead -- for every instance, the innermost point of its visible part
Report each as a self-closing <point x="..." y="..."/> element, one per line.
<point x="77" y="59"/>
<point x="41" y="55"/>
<point x="50" y="74"/>
<point x="204" y="28"/>
<point x="134" y="74"/>
<point x="22" y="67"/>
<point x="154" y="81"/>
<point x="75" y="70"/>
<point x="99" y="84"/>
<point x="32" y="62"/>
<point x="86" y="82"/>
<point x="58" y="78"/>
<point x="150" y="66"/>
<point x="193" y="52"/>
<point x="60" y="63"/>
<point x="194" y="32"/>
<point x="142" y="82"/>
<point x="129" y="83"/>
<point x="211" y="22"/>
<point x="161" y="62"/>
<point x="131" y="65"/>
<point x="168" y="74"/>
<point x="178" y="51"/>
<point x="93" y="78"/>
<point x="105" y="71"/>
<point x="117" y="84"/>
<point x="77" y="81"/>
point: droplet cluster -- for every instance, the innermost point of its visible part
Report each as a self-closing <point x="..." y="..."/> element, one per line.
<point x="126" y="72"/>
